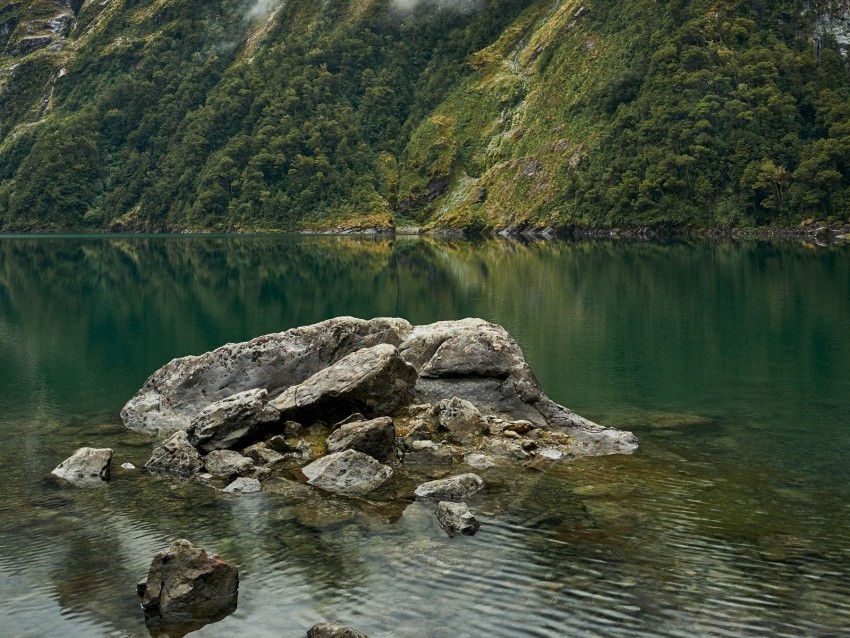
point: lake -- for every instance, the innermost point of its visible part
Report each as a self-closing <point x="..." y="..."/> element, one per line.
<point x="730" y="361"/>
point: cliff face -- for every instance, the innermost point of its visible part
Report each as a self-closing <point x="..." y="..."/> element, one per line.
<point x="284" y="114"/>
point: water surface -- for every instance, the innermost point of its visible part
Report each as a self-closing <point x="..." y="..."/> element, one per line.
<point x="751" y="338"/>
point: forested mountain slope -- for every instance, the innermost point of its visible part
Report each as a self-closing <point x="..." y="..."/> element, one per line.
<point x="161" y="115"/>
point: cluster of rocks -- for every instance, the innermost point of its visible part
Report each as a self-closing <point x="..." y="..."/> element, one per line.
<point x="368" y="397"/>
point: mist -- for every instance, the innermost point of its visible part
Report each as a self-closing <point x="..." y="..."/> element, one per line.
<point x="261" y="9"/>
<point x="459" y="6"/>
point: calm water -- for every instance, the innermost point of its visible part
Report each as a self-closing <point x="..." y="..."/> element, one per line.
<point x="753" y="338"/>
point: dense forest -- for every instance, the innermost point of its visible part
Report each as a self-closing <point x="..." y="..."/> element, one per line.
<point x="253" y="115"/>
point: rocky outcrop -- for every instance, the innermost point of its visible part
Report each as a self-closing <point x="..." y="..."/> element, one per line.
<point x="185" y="584"/>
<point x="28" y="44"/>
<point x="176" y="455"/>
<point x="232" y="421"/>
<point x="374" y="381"/>
<point x="333" y="630"/>
<point x="453" y="488"/>
<point x="348" y="472"/>
<point x="86" y="466"/>
<point x="455" y="518"/>
<point x="375" y="437"/>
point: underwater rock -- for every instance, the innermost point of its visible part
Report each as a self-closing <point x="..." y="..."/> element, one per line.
<point x="375" y="438"/>
<point x="348" y="472"/>
<point x="784" y="547"/>
<point x="452" y="488"/>
<point x="185" y="585"/>
<point x="455" y="518"/>
<point x="227" y="423"/>
<point x="176" y="455"/>
<point x="86" y="466"/>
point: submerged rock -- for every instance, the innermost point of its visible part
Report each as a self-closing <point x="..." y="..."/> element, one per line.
<point x="88" y="465"/>
<point x="333" y="630"/>
<point x="455" y="518"/>
<point x="243" y="485"/>
<point x="348" y="472"/>
<point x="228" y="423"/>
<point x="375" y="438"/>
<point x="184" y="584"/>
<point x="452" y="488"/>
<point x="784" y="547"/>
<point x="176" y="455"/>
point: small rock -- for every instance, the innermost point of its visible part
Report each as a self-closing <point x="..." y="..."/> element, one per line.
<point x="375" y="438"/>
<point x="429" y="457"/>
<point x="184" y="583"/>
<point x="128" y="466"/>
<point x="227" y="463"/>
<point x="291" y="429"/>
<point x="454" y="487"/>
<point x="333" y="630"/>
<point x="244" y="485"/>
<point x="455" y="518"/>
<point x="520" y="427"/>
<point x="479" y="461"/>
<point x="507" y="448"/>
<point x="262" y="454"/>
<point x="176" y="455"/>
<point x="418" y="409"/>
<point x="86" y="465"/>
<point x="278" y="444"/>
<point x="460" y="417"/>
<point x="347" y="472"/>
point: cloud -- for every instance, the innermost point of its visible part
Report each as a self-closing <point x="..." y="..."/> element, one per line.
<point x="261" y="9"/>
<point x="459" y="6"/>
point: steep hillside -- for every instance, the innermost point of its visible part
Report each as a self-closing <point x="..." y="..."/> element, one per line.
<point x="282" y="114"/>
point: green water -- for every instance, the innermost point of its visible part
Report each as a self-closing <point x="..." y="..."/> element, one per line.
<point x="754" y="338"/>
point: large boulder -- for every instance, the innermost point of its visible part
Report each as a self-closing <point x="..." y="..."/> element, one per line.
<point x="453" y="488"/>
<point x="173" y="395"/>
<point x="185" y="584"/>
<point x="176" y="455"/>
<point x="86" y="466"/>
<point x="455" y="518"/>
<point x="333" y="630"/>
<point x="229" y="423"/>
<point x="375" y="381"/>
<point x="375" y="438"/>
<point x="349" y="472"/>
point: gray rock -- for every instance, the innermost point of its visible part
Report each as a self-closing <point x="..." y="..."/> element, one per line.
<point x="28" y="44"/>
<point x="278" y="444"/>
<point x="479" y="461"/>
<point x="375" y="438"/>
<point x="227" y="463"/>
<point x="175" y="393"/>
<point x="507" y="448"/>
<point x="375" y="381"/>
<point x="455" y="518"/>
<point x="60" y="24"/>
<point x="430" y="458"/>
<point x="244" y="485"/>
<point x="86" y="466"/>
<point x="333" y="630"/>
<point x="262" y="454"/>
<point x="460" y="417"/>
<point x="176" y="455"/>
<point x="184" y="584"/>
<point x="230" y="422"/>
<point x="348" y="472"/>
<point x="452" y="488"/>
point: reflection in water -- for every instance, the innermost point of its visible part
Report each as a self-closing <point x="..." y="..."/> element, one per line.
<point x="751" y="337"/>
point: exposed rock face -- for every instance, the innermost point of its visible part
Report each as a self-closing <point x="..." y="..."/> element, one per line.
<point x="230" y="422"/>
<point x="452" y="488"/>
<point x="176" y="455"/>
<point x="29" y="44"/>
<point x="375" y="381"/>
<point x="227" y="463"/>
<point x="375" y="438"/>
<point x="333" y="630"/>
<point x="173" y="395"/>
<point x="348" y="472"/>
<point x="185" y="584"/>
<point x="455" y="518"/>
<point x="88" y="465"/>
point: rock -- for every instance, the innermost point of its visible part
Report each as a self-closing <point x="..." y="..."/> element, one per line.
<point x="230" y="422"/>
<point x="278" y="444"/>
<point x="375" y="438"/>
<point x="348" y="472"/>
<point x="60" y="24"/>
<point x="333" y="630"/>
<point x="453" y="488"/>
<point x="350" y="419"/>
<point x="175" y="393"/>
<point x="185" y="584"/>
<point x="227" y="463"/>
<point x="507" y="448"/>
<point x="291" y="428"/>
<point x="460" y="417"/>
<point x="28" y="44"/>
<point x="128" y="466"/>
<point x="263" y="454"/>
<point x="244" y="485"/>
<point x="455" y="518"/>
<point x="176" y="455"/>
<point x="88" y="465"/>
<point x="429" y="458"/>
<point x="375" y="381"/>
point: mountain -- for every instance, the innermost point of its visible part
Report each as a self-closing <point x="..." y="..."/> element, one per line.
<point x="165" y="115"/>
